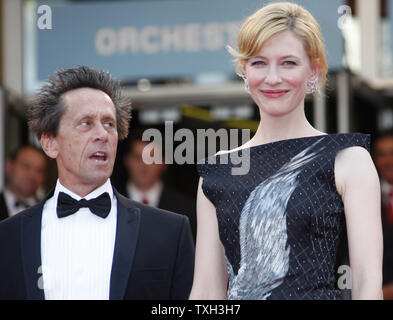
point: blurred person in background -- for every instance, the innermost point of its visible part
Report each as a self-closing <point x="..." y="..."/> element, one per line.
<point x="383" y="158"/>
<point x="146" y="183"/>
<point x="25" y="172"/>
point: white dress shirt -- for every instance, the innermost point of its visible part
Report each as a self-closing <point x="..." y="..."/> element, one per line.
<point x="77" y="251"/>
<point x="152" y="196"/>
<point x="15" y="206"/>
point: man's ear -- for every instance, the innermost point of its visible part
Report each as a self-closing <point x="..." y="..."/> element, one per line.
<point x="49" y="145"/>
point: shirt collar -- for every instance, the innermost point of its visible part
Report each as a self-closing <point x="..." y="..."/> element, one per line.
<point x="11" y="198"/>
<point x="152" y="195"/>
<point x="106" y="187"/>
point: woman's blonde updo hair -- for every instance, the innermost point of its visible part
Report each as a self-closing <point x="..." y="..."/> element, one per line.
<point x="272" y="19"/>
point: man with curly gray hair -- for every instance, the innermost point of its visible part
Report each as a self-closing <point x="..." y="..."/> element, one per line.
<point x="85" y="240"/>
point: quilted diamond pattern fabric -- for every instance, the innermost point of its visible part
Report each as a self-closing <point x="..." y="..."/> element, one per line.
<point x="314" y="213"/>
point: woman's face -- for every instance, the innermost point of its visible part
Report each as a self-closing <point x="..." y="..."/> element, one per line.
<point x="277" y="75"/>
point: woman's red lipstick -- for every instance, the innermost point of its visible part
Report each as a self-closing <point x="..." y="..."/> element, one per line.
<point x="274" y="93"/>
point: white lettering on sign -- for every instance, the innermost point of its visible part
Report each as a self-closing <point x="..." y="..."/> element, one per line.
<point x="106" y="42"/>
<point x="192" y="37"/>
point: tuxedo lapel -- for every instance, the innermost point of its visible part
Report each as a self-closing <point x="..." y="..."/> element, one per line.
<point x="127" y="229"/>
<point x="31" y="251"/>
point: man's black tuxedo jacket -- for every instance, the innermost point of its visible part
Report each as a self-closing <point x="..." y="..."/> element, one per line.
<point x="153" y="256"/>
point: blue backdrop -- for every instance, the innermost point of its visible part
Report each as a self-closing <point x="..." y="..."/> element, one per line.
<point x="159" y="39"/>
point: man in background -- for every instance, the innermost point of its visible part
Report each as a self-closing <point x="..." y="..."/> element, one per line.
<point x="383" y="158"/>
<point x="145" y="182"/>
<point x="25" y="172"/>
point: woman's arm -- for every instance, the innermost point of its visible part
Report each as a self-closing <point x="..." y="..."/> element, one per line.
<point x="358" y="184"/>
<point x="210" y="273"/>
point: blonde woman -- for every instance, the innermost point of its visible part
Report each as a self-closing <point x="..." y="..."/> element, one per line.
<point x="273" y="233"/>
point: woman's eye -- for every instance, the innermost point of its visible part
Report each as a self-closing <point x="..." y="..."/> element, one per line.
<point x="258" y="63"/>
<point x="290" y="63"/>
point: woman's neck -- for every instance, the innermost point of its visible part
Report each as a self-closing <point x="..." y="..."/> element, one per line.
<point x="292" y="125"/>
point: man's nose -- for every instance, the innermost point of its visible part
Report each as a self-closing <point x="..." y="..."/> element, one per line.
<point x="100" y="132"/>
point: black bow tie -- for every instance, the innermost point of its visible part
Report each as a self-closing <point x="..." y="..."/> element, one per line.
<point x="67" y="205"/>
<point x="20" y="204"/>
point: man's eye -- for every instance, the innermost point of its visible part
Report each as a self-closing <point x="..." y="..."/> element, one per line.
<point x="109" y="124"/>
<point x="85" y="123"/>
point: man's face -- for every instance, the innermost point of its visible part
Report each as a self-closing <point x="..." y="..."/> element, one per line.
<point x="27" y="172"/>
<point x="143" y="175"/>
<point x="86" y="143"/>
<point x="383" y="157"/>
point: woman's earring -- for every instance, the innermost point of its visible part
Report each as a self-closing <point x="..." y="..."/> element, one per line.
<point x="246" y="86"/>
<point x="312" y="86"/>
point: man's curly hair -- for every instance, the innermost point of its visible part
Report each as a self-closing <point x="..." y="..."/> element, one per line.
<point x="46" y="110"/>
